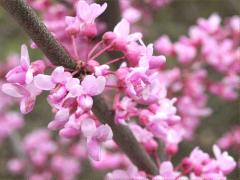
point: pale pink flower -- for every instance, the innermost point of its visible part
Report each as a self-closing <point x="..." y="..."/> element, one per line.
<point x="224" y="161"/>
<point x="212" y="24"/>
<point x="93" y="85"/>
<point x="167" y="170"/>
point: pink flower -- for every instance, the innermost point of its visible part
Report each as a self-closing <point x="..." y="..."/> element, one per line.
<point x="144" y="137"/>
<point x="84" y="22"/>
<point x="88" y="13"/>
<point x="93" y="85"/>
<point x="136" y="83"/>
<point x="23" y="74"/>
<point x="129" y="174"/>
<point x="148" y="60"/>
<point x="46" y="82"/>
<point x="95" y="136"/>
<point x="164" y="45"/>
<point x="167" y="171"/>
<point x="185" y="52"/>
<point x="27" y="94"/>
<point x="121" y="35"/>
<point x="224" y="161"/>
<point x="16" y="166"/>
<point x="212" y="24"/>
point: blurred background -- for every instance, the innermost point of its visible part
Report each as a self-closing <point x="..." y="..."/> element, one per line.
<point x="173" y="20"/>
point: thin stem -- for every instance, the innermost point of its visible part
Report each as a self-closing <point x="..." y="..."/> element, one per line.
<point x="101" y="51"/>
<point x="75" y="47"/>
<point x="38" y="32"/>
<point x="94" y="48"/>
<point x="122" y="135"/>
<point x="115" y="60"/>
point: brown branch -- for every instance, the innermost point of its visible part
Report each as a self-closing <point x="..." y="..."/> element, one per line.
<point x="30" y="22"/>
<point x="124" y="137"/>
<point x="38" y="32"/>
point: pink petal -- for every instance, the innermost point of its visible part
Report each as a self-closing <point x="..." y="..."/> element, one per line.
<point x="15" y="90"/>
<point x="122" y="29"/>
<point x="69" y="132"/>
<point x="76" y="90"/>
<point x="103" y="133"/>
<point x="44" y="82"/>
<point x="55" y="125"/>
<point x="29" y="76"/>
<point x="88" y="127"/>
<point x="216" y="151"/>
<point x="149" y="50"/>
<point x="27" y="104"/>
<point x="94" y="150"/>
<point x="97" y="10"/>
<point x="16" y="75"/>
<point x="71" y="83"/>
<point x="93" y="86"/>
<point x="62" y="115"/>
<point x="85" y="102"/>
<point x="83" y="10"/>
<point x="33" y="90"/>
<point x="25" y="61"/>
<point x="59" y="76"/>
<point x="157" y="61"/>
<point x="166" y="168"/>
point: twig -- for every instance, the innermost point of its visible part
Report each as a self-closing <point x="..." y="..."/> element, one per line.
<point x="38" y="32"/>
<point x="30" y="22"/>
<point x="124" y="137"/>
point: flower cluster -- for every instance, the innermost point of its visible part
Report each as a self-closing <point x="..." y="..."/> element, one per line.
<point x="43" y="159"/>
<point x="135" y="11"/>
<point x="20" y="81"/>
<point x="9" y="120"/>
<point x="138" y="87"/>
<point x="208" y="46"/>
<point x="198" y="165"/>
<point x="230" y="140"/>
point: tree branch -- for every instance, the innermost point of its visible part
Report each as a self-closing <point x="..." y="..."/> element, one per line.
<point x="30" y="22"/>
<point x="38" y="32"/>
<point x="124" y="137"/>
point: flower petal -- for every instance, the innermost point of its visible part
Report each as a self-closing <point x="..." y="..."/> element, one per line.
<point x="43" y="82"/>
<point x="27" y="104"/>
<point x="122" y="29"/>
<point x="88" y="127"/>
<point x="15" y="90"/>
<point x="94" y="150"/>
<point x="93" y="86"/>
<point x="25" y="60"/>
